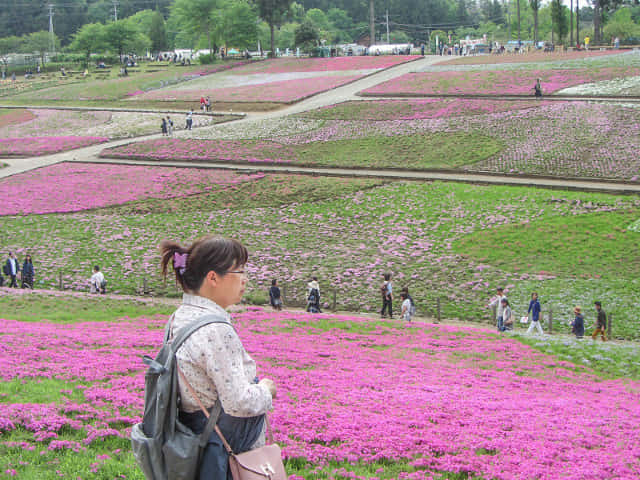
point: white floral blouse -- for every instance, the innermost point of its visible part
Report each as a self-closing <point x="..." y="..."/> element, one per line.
<point x="216" y="364"/>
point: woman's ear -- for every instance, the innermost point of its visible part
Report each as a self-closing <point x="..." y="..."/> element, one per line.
<point x="213" y="278"/>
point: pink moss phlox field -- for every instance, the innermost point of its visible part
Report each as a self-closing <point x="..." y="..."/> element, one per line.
<point x="70" y="187"/>
<point x="54" y="123"/>
<point x="261" y="151"/>
<point x="495" y="82"/>
<point x="440" y="397"/>
<point x="16" y="117"/>
<point x="333" y="64"/>
<point x="282" y="91"/>
<point x="35" y="146"/>
<point x="412" y="109"/>
<point x="529" y="57"/>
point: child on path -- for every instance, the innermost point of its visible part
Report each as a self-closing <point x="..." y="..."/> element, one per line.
<point x="387" y="296"/>
<point x="601" y="323"/>
<point x="406" y="307"/>
<point x="577" y="325"/>
<point x="534" y="311"/>
<point x="169" y="126"/>
<point x="507" y="315"/>
<point x="163" y="126"/>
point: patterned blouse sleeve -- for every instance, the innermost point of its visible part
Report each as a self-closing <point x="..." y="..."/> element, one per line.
<point x="225" y="367"/>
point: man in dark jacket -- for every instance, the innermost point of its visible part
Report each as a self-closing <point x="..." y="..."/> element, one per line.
<point x="11" y="269"/>
<point x="601" y="323"/>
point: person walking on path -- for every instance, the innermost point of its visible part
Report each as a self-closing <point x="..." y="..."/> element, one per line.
<point x="27" y="273"/>
<point x="274" y="295"/>
<point x="163" y="126"/>
<point x="214" y="369"/>
<point x="207" y="104"/>
<point x="497" y="303"/>
<point x="577" y="325"/>
<point x="537" y="88"/>
<point x="386" y="290"/>
<point x="534" y="313"/>
<point x="313" y="296"/>
<point x="189" y="120"/>
<point x="97" y="283"/>
<point x="11" y="269"/>
<point x="507" y="315"/>
<point x="601" y="323"/>
<point x="169" y="126"/>
<point x="406" y="307"/>
<point x="202" y="103"/>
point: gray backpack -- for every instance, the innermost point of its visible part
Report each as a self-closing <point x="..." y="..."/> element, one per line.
<point x="164" y="448"/>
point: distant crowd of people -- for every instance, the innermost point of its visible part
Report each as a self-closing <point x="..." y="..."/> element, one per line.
<point x="506" y="319"/>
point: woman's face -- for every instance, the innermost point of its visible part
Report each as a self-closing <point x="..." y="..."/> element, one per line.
<point x="229" y="288"/>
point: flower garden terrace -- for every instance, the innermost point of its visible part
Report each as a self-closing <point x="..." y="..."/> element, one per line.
<point x="450" y="402"/>
<point x="436" y="238"/>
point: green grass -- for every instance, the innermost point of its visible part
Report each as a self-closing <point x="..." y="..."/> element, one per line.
<point x="39" y="390"/>
<point x="103" y="87"/>
<point x="400" y="151"/>
<point x="35" y="307"/>
<point x="607" y="359"/>
<point x="579" y="246"/>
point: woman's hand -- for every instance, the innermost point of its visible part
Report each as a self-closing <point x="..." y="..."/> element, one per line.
<point x="271" y="386"/>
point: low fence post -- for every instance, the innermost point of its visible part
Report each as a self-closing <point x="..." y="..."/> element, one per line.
<point x="145" y="286"/>
<point x="333" y="309"/>
<point x="438" y="309"/>
<point x="550" y="319"/>
<point x="284" y="294"/>
<point x="60" y="280"/>
<point x="609" y="326"/>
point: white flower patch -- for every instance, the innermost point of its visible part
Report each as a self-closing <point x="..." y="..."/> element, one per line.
<point x="635" y="226"/>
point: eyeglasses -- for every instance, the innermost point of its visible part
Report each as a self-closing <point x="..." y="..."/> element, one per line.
<point x="239" y="272"/>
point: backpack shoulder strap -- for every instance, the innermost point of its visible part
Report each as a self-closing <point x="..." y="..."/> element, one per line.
<point x="185" y="332"/>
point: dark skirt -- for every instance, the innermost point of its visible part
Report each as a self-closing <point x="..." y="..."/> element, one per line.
<point x="240" y="433"/>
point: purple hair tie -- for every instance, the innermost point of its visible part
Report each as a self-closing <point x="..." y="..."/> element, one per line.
<point x="180" y="262"/>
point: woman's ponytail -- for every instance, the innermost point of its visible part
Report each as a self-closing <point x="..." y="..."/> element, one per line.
<point x="168" y="252"/>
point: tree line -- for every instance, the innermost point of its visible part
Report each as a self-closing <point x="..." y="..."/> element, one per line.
<point x="245" y="24"/>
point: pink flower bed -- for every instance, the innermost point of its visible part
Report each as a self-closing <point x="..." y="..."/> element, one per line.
<point x="529" y="57"/>
<point x="281" y="92"/>
<point x="15" y="117"/>
<point x="197" y="150"/>
<point x="494" y="82"/>
<point x="387" y="110"/>
<point x="292" y="64"/>
<point x="441" y="398"/>
<point x="35" y="146"/>
<point x="69" y="187"/>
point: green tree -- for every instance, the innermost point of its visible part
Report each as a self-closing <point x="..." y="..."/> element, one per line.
<point x="535" y="8"/>
<point x="88" y="39"/>
<point x="120" y="36"/>
<point x="40" y="43"/>
<point x="273" y="12"/>
<point x="9" y="45"/>
<point x="240" y="22"/>
<point x="198" y="17"/>
<point x="621" y="25"/>
<point x="157" y="33"/>
<point x="142" y="20"/>
<point x="559" y="18"/>
<point x="306" y="35"/>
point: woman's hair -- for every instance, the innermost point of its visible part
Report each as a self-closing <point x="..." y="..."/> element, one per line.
<point x="274" y="281"/>
<point x="505" y="301"/>
<point x="202" y="256"/>
<point x="387" y="277"/>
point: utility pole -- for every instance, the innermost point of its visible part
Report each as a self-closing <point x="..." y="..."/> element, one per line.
<point x="519" y="42"/>
<point x="571" y="24"/>
<point x="115" y="10"/>
<point x="52" y="40"/>
<point x="508" y="20"/>
<point x="577" y="22"/>
<point x="372" y="25"/>
<point x="387" y="27"/>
